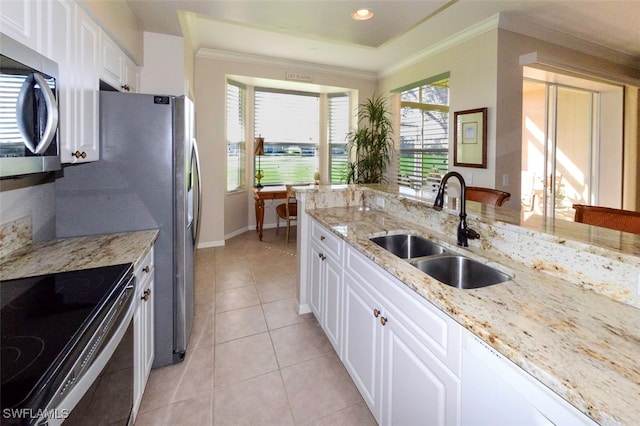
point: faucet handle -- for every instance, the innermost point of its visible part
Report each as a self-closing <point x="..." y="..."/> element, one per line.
<point x="471" y="234"/>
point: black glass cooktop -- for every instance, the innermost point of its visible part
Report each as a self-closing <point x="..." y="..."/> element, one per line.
<point x="43" y="321"/>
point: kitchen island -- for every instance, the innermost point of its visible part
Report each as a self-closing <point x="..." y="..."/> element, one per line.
<point x="570" y="316"/>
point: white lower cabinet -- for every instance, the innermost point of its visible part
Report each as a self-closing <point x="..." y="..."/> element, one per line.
<point x="325" y="277"/>
<point x="143" y="327"/>
<point x="497" y="392"/>
<point x="412" y="363"/>
<point x="402" y="381"/>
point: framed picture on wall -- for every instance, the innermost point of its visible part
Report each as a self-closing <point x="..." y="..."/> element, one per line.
<point x="470" y="138"/>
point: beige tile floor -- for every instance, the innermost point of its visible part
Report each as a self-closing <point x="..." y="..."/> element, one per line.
<point x="251" y="359"/>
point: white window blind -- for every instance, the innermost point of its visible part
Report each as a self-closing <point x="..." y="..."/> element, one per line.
<point x="289" y="124"/>
<point x="338" y="133"/>
<point x="236" y="136"/>
<point x="424" y="133"/>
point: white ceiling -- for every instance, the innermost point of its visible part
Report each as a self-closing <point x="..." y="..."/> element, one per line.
<point x="322" y="32"/>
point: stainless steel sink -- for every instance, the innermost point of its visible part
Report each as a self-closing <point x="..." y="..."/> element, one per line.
<point x="461" y="272"/>
<point x="408" y="246"/>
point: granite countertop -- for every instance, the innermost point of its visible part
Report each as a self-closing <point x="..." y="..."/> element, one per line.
<point x="582" y="345"/>
<point x="76" y="253"/>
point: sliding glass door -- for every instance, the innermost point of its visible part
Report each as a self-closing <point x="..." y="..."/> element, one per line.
<point x="560" y="148"/>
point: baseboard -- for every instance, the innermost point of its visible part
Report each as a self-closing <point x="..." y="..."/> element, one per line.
<point x="210" y="244"/>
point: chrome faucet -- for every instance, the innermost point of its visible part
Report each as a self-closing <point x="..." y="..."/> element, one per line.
<point x="464" y="232"/>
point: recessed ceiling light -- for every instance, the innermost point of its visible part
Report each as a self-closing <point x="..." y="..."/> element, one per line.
<point x="362" y="14"/>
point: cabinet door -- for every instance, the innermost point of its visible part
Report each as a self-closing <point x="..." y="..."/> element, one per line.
<point x="59" y="32"/>
<point x="149" y="330"/>
<point x="332" y="301"/>
<point x="19" y="20"/>
<point x="111" y="62"/>
<point x="131" y="76"/>
<point x="362" y="341"/>
<point x="86" y="143"/>
<point x="315" y="281"/>
<point x="417" y="388"/>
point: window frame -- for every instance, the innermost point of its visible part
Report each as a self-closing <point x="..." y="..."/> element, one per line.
<point x="241" y="142"/>
<point x="418" y="180"/>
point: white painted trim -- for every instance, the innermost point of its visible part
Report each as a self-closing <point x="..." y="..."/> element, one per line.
<point x="547" y="61"/>
<point x="284" y="63"/>
<point x="210" y="244"/>
<point x="449" y="42"/>
<point x="553" y="36"/>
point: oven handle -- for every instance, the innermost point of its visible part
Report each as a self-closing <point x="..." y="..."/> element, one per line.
<point x="88" y="375"/>
<point x="52" y="114"/>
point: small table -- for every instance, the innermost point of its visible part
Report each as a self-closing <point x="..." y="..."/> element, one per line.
<point x="266" y="193"/>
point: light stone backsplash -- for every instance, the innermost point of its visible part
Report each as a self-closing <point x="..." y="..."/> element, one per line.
<point x="14" y="235"/>
<point x="606" y="271"/>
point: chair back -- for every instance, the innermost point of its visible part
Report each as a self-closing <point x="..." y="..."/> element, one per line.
<point x="291" y="203"/>
<point x="618" y="219"/>
<point x="490" y="196"/>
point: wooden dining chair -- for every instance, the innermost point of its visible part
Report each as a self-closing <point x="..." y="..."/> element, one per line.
<point x="606" y="217"/>
<point x="287" y="211"/>
<point x="490" y="196"/>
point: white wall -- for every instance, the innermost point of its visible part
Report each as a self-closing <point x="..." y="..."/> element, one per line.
<point x="164" y="71"/>
<point x="227" y="214"/>
<point x="472" y="67"/>
<point x="509" y="97"/>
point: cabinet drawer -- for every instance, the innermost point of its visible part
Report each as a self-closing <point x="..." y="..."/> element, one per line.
<point x="435" y="329"/>
<point x="146" y="261"/>
<point x="326" y="239"/>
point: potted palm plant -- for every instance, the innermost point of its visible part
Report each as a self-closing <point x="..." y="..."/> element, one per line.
<point x="371" y="142"/>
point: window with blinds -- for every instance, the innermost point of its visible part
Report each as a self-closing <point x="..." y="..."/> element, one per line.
<point x="424" y="133"/>
<point x="338" y="133"/>
<point x="236" y="136"/>
<point x="289" y="122"/>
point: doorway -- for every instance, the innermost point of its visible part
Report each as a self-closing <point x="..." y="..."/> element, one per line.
<point x="562" y="144"/>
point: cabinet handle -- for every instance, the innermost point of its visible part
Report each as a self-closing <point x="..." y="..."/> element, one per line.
<point x="376" y="313"/>
<point x="147" y="294"/>
<point x="79" y="154"/>
<point x="146" y="269"/>
<point x="383" y="321"/>
<point x="321" y="237"/>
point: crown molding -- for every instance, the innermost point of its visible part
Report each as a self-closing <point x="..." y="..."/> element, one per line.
<point x="553" y="36"/>
<point x="449" y="42"/>
<point x="309" y="67"/>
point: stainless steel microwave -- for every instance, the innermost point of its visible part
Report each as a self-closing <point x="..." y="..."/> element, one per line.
<point x="28" y="111"/>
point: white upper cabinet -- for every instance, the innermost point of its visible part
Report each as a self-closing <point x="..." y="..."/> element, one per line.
<point x="19" y="20"/>
<point x="58" y="27"/>
<point x="131" y="76"/>
<point x="85" y="146"/>
<point x="62" y="31"/>
<point x="117" y="70"/>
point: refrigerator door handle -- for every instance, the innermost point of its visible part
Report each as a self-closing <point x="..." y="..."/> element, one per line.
<point x="195" y="163"/>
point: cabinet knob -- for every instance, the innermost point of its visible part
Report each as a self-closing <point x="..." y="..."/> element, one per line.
<point x="146" y="269"/>
<point x="146" y="294"/>
<point x="320" y="255"/>
<point x="321" y="237"/>
<point x="125" y="87"/>
<point x="79" y="154"/>
<point x="383" y="320"/>
<point x="376" y="313"/>
<point x="324" y="257"/>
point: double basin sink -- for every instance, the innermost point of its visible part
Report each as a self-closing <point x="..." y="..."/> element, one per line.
<point x="449" y="268"/>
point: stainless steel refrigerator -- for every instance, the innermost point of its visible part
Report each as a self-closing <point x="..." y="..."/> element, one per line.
<point x="147" y="177"/>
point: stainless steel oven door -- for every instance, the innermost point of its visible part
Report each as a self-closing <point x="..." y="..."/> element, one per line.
<point x="99" y="389"/>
